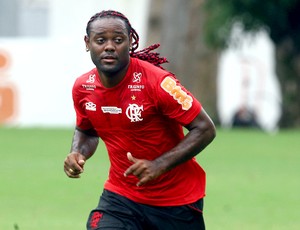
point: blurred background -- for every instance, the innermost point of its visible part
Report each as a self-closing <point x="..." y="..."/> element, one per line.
<point x="241" y="60"/>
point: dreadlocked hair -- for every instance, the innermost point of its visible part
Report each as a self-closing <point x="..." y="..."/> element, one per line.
<point x="144" y="54"/>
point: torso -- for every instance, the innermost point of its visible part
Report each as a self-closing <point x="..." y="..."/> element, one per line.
<point x="138" y="116"/>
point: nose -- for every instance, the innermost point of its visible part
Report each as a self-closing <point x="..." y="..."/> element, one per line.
<point x="109" y="46"/>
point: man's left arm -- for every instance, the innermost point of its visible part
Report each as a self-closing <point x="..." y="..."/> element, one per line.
<point x="201" y="132"/>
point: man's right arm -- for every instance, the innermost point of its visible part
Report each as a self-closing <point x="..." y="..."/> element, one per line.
<point x="84" y="145"/>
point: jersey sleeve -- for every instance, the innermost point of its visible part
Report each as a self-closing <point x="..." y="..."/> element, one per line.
<point x="176" y="102"/>
<point x="82" y="120"/>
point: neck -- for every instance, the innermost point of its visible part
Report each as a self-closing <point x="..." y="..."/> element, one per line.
<point x="111" y="79"/>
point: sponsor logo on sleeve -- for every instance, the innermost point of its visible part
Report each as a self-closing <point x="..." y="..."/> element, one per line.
<point x="169" y="85"/>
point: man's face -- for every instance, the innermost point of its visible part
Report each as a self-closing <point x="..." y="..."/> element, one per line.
<point x="109" y="45"/>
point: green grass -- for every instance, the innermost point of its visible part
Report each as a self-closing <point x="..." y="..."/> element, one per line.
<point x="252" y="181"/>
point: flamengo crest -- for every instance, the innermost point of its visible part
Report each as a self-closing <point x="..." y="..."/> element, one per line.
<point x="133" y="112"/>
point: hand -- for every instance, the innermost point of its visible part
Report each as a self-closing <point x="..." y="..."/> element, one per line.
<point x="144" y="170"/>
<point x="73" y="165"/>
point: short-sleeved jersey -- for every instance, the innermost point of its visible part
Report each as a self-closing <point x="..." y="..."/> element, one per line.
<point x="144" y="115"/>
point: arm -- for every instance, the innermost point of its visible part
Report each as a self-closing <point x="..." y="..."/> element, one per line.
<point x="201" y="132"/>
<point x="84" y="145"/>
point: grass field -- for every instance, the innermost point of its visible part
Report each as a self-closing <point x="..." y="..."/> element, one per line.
<point x="253" y="181"/>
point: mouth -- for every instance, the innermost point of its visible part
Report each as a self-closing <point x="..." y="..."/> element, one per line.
<point x="109" y="58"/>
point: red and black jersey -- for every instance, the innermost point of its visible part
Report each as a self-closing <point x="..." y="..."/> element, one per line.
<point x="144" y="114"/>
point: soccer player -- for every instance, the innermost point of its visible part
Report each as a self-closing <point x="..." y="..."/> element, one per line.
<point x="139" y="110"/>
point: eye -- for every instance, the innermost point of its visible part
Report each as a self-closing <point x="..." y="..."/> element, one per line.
<point x="100" y="40"/>
<point x="118" y="40"/>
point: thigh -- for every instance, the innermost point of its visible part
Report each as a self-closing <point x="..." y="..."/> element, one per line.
<point x="110" y="221"/>
<point x="114" y="213"/>
<point x="189" y="217"/>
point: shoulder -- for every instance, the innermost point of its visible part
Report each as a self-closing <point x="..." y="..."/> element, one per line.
<point x="147" y="66"/>
<point x="85" y="79"/>
<point x="148" y="71"/>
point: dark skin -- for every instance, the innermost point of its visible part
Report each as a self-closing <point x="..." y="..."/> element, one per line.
<point x="83" y="147"/>
<point x="201" y="133"/>
<point x="109" y="44"/>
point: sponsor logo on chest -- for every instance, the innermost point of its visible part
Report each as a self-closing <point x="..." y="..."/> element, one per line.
<point x="133" y="111"/>
<point x="111" y="109"/>
<point x="136" y="80"/>
<point x="91" y="79"/>
<point x="90" y="106"/>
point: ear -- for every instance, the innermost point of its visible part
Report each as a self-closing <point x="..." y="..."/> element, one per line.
<point x="87" y="42"/>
